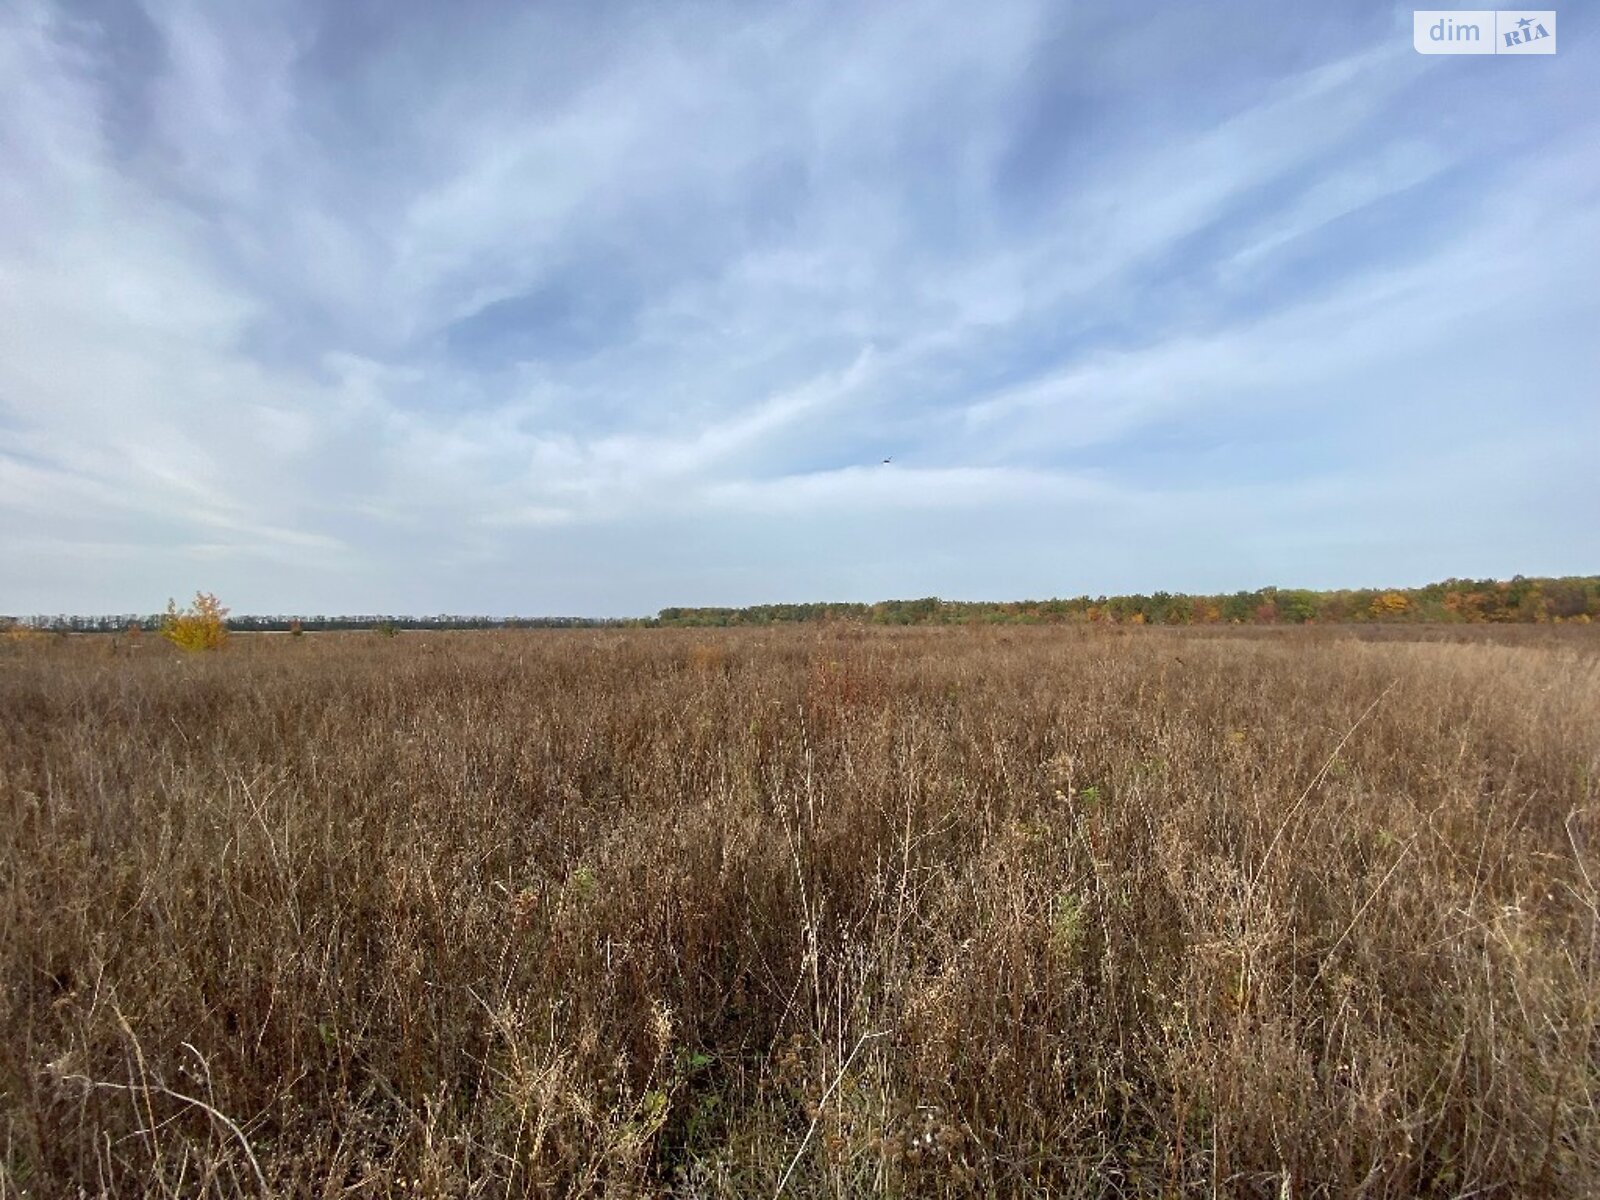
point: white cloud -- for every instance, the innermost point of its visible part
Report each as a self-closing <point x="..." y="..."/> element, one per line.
<point x="226" y="327"/>
<point x="874" y="489"/>
<point x="1533" y="243"/>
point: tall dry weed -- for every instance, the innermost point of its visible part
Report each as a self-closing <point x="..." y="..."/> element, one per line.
<point x="931" y="912"/>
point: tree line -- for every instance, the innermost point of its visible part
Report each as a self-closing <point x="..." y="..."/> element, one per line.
<point x="1520" y="599"/>
<point x="152" y="623"/>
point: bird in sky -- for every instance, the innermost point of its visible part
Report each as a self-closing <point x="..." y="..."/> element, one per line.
<point x="887" y="461"/>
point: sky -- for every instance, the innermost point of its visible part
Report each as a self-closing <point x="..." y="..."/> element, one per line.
<point x="596" y="308"/>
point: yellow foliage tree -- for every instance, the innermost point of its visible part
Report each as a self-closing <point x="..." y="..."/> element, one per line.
<point x="1390" y="604"/>
<point x="201" y="626"/>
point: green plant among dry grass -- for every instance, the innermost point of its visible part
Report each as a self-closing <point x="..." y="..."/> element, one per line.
<point x="928" y="912"/>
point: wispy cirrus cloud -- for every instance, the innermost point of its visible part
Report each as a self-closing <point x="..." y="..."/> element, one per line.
<point x="566" y="308"/>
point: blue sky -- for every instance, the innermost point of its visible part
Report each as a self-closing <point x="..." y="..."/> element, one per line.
<point x="597" y="308"/>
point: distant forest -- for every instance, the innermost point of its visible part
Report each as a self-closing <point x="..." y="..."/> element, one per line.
<point x="1521" y="600"/>
<point x="1572" y="598"/>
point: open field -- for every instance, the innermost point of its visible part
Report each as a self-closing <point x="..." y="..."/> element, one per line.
<point x="1045" y="911"/>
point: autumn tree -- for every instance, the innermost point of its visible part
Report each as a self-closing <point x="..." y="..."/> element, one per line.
<point x="201" y="626"/>
<point x="1390" y="604"/>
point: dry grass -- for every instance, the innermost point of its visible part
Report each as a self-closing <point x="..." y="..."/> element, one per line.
<point x="930" y="912"/>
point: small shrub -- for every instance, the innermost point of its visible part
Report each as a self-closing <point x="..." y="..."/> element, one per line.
<point x="202" y="626"/>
